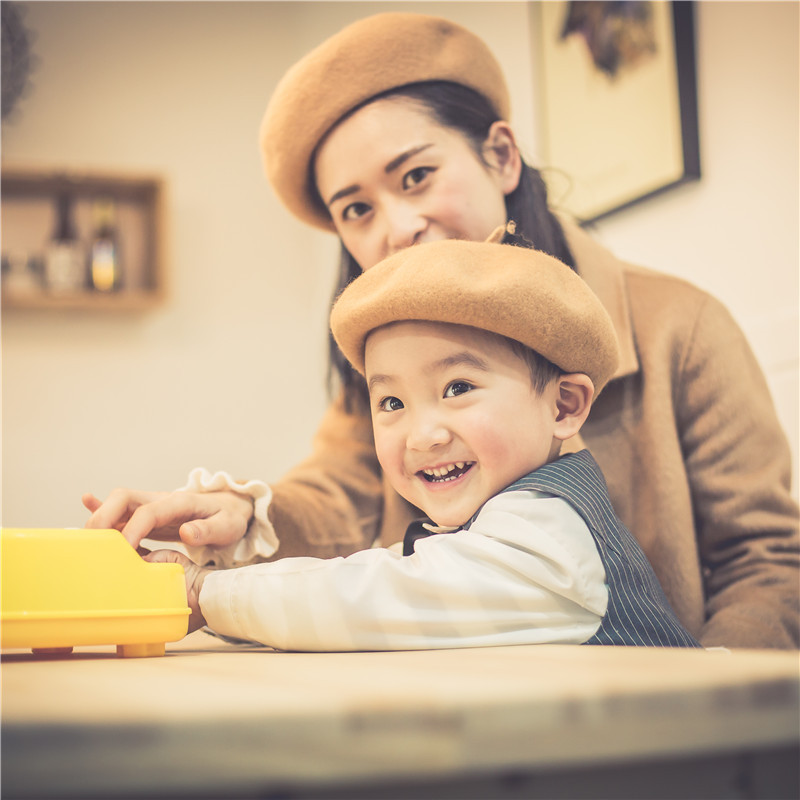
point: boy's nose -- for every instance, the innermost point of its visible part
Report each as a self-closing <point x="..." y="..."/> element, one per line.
<point x="426" y="432"/>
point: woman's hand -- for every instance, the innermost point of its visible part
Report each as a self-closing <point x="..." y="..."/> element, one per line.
<point x="195" y="575"/>
<point x="216" y="519"/>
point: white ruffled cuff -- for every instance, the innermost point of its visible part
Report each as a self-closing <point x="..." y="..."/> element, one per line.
<point x="259" y="542"/>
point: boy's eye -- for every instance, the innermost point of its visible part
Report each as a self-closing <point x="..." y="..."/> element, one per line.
<point x="355" y="211"/>
<point x="456" y="388"/>
<point x="416" y="176"/>
<point x="390" y="404"/>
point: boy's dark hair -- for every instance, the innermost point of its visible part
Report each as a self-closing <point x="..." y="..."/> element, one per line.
<point x="462" y="109"/>
<point x="543" y="372"/>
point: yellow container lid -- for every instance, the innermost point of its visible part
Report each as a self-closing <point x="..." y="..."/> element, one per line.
<point x="64" y="587"/>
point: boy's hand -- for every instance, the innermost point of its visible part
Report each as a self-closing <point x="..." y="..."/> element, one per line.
<point x="195" y="575"/>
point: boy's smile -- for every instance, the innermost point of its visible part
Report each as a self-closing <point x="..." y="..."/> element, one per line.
<point x="449" y="473"/>
<point x="455" y="416"/>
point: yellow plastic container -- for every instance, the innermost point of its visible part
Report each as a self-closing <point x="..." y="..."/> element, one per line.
<point x="62" y="588"/>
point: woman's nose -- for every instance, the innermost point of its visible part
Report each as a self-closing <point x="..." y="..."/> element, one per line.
<point x="404" y="226"/>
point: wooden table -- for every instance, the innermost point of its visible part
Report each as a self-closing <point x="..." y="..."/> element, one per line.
<point x="211" y="719"/>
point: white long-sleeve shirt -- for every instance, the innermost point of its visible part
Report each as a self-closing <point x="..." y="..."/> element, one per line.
<point x="526" y="572"/>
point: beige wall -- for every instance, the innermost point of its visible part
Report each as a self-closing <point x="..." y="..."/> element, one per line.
<point x="229" y="373"/>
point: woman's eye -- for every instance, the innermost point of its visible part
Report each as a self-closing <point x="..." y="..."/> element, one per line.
<point x="416" y="176"/>
<point x="355" y="211"/>
<point x="390" y="404"/>
<point x="456" y="388"/>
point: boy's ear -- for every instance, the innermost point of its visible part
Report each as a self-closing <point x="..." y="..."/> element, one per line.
<point x="501" y="152"/>
<point x="574" y="394"/>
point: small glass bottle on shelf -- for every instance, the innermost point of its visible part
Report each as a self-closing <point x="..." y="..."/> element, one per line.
<point x="105" y="273"/>
<point x="65" y="259"/>
<point x="19" y="274"/>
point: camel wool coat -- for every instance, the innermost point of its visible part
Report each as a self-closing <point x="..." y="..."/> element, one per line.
<point x="686" y="433"/>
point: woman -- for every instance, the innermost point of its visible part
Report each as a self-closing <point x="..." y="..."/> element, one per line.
<point x="393" y="133"/>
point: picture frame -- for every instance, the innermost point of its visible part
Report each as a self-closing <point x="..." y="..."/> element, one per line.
<point x="618" y="111"/>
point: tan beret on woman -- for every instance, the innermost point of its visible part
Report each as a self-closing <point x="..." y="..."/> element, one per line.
<point x="363" y="60"/>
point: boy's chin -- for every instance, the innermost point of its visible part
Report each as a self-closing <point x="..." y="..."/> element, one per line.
<point x="451" y="520"/>
<point x="456" y="516"/>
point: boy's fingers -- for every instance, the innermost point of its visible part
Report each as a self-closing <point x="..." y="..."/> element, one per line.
<point x="163" y="556"/>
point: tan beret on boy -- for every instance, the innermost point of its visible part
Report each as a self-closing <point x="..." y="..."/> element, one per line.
<point x="364" y="59"/>
<point x="519" y="293"/>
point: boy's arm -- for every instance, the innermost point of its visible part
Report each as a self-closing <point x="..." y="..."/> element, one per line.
<point x="512" y="578"/>
<point x="195" y="576"/>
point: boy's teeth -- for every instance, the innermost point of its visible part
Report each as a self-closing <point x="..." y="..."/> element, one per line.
<point x="442" y="472"/>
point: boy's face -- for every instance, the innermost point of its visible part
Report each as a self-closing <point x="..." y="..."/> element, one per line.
<point x="455" y="416"/>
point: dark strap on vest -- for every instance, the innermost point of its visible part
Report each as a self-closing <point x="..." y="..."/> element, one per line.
<point x="413" y="532"/>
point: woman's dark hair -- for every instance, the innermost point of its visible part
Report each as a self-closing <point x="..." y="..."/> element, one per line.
<point x="470" y="113"/>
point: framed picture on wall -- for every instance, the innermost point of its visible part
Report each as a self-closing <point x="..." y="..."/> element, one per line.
<point x="618" y="110"/>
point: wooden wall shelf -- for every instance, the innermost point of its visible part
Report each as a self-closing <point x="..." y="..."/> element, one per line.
<point x="28" y="220"/>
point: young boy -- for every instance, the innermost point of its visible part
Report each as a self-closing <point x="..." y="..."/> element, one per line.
<point x="480" y="359"/>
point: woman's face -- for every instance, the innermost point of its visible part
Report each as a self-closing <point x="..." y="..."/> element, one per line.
<point x="392" y="176"/>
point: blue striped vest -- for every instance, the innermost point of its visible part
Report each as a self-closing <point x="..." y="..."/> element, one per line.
<point x="638" y="611"/>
